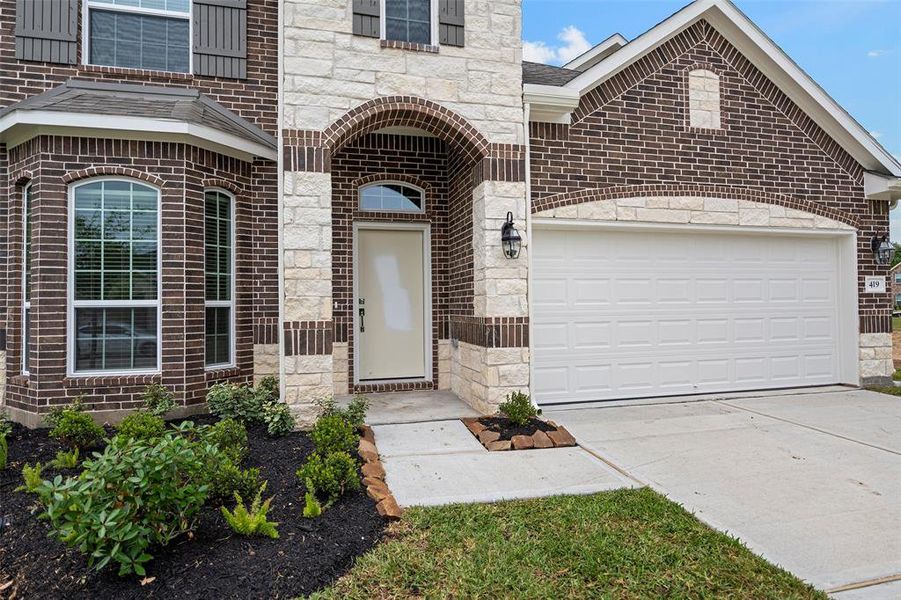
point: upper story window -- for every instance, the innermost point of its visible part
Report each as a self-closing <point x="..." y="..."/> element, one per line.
<point x="897" y="277"/>
<point x="408" y="21"/>
<point x="392" y="197"/>
<point x="114" y="303"/>
<point x="704" y="99"/>
<point x="139" y="34"/>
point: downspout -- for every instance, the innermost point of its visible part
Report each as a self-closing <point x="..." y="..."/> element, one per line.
<point x="280" y="136"/>
<point x="527" y="113"/>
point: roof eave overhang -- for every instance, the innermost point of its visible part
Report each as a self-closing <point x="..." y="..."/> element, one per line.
<point x="549" y="103"/>
<point x="881" y="187"/>
<point x="772" y="62"/>
<point x="20" y="126"/>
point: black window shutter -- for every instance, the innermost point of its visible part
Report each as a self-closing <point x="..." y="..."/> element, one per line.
<point x="47" y="30"/>
<point x="366" y="18"/>
<point x="451" y="22"/>
<point x="220" y="38"/>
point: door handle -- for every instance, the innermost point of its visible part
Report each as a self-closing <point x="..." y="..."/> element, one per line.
<point x="362" y="320"/>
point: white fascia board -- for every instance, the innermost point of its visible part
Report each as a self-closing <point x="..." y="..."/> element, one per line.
<point x="742" y="33"/>
<point x="549" y="103"/>
<point x="597" y="53"/>
<point x="20" y="125"/>
<point x="881" y="187"/>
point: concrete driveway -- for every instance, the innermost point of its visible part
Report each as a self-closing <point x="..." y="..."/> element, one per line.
<point x="811" y="481"/>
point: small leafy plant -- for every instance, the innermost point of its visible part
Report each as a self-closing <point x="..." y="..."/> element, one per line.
<point x="32" y="478"/>
<point x="74" y="427"/>
<point x="267" y="389"/>
<point x="312" y="508"/>
<point x="278" y="418"/>
<point x="519" y="409"/>
<point x="354" y="414"/>
<point x="65" y="460"/>
<point x="228" y="479"/>
<point x="332" y="433"/>
<point x="231" y="401"/>
<point x="158" y="400"/>
<point x="4" y="452"/>
<point x="252" y="521"/>
<point x="5" y="429"/>
<point x="331" y="476"/>
<point x="142" y="425"/>
<point x="230" y="436"/>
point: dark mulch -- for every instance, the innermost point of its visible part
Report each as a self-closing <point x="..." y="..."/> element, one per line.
<point x="508" y="429"/>
<point x="309" y="555"/>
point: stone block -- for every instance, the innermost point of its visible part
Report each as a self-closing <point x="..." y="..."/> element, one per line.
<point x="522" y="442"/>
<point x="541" y="440"/>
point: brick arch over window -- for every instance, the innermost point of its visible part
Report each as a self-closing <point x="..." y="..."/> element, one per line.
<point x="392" y="178"/>
<point x="407" y="111"/>
<point x="21" y="178"/>
<point x="698" y="191"/>
<point x="222" y="184"/>
<point x="114" y="171"/>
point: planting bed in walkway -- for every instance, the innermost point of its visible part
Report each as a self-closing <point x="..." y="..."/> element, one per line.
<point x="214" y="562"/>
<point x="498" y="433"/>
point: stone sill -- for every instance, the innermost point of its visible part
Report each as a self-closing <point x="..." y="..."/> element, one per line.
<point x="145" y="73"/>
<point x="111" y="381"/>
<point x="409" y="46"/>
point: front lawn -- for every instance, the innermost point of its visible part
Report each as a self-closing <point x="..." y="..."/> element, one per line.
<point x="621" y="544"/>
<point x="896" y="323"/>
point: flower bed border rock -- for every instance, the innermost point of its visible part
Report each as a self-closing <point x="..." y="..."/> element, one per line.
<point x="561" y="438"/>
<point x="374" y="477"/>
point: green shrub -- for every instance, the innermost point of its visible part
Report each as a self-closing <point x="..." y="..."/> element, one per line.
<point x="312" y="508"/>
<point x="4" y="452"/>
<point x="278" y="418"/>
<point x="230" y="436"/>
<point x="354" y="414"/>
<point x="65" y="460"/>
<point x="332" y="433"/>
<point x="141" y="425"/>
<point x="267" y="389"/>
<point x="331" y="476"/>
<point x="519" y="408"/>
<point x="74" y="427"/>
<point x="252" y="521"/>
<point x="228" y="479"/>
<point x="32" y="478"/>
<point x="158" y="400"/>
<point x="6" y="426"/>
<point x="897" y="375"/>
<point x="132" y="495"/>
<point x="231" y="401"/>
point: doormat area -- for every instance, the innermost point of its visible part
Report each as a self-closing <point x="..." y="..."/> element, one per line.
<point x="499" y="434"/>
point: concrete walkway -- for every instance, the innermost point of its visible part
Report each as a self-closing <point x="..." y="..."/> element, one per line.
<point x="811" y="481"/>
<point x="440" y="462"/>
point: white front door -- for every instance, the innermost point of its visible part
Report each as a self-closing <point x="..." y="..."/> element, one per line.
<point x="391" y="308"/>
<point x="631" y="314"/>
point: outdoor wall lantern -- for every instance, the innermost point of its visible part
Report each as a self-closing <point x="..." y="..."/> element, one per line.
<point x="883" y="250"/>
<point x="510" y="238"/>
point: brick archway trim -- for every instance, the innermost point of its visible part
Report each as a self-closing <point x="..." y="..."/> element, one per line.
<point x="392" y="177"/>
<point x="21" y="178"/>
<point x="107" y="171"/>
<point x="407" y="111"/>
<point x="698" y="191"/>
<point x="228" y="186"/>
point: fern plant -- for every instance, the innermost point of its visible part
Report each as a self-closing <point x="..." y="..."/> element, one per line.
<point x="32" y="478"/>
<point x="4" y="451"/>
<point x="312" y="508"/>
<point x="65" y="460"/>
<point x="252" y="521"/>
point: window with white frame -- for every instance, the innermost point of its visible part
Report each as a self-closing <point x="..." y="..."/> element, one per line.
<point x="26" y="279"/>
<point x="897" y="277"/>
<point x="408" y="21"/>
<point x="220" y="278"/>
<point x="392" y="197"/>
<point x="114" y="319"/>
<point x="139" y="34"/>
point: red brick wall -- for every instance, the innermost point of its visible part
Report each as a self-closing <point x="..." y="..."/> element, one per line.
<point x="631" y="131"/>
<point x="254" y="98"/>
<point x="183" y="171"/>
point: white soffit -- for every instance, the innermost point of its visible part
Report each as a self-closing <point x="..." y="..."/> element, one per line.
<point x="19" y="126"/>
<point x="742" y="33"/>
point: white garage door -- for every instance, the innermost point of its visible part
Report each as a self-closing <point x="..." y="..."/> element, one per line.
<point x="631" y="314"/>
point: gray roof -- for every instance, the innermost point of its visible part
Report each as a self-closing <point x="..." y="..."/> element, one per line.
<point x="153" y="102"/>
<point x="547" y="74"/>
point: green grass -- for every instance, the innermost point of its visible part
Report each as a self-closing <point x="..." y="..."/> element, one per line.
<point x="621" y="544"/>
<point x="896" y="323"/>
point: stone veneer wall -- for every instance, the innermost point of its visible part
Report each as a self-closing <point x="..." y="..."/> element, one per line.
<point x="876" y="364"/>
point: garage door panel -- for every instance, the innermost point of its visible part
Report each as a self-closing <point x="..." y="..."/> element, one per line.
<point x="721" y="313"/>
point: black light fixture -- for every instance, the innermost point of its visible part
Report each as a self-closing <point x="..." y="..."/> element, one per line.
<point x="510" y="238"/>
<point x="883" y="250"/>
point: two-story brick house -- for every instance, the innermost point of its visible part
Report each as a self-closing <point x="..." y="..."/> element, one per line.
<point x="683" y="213"/>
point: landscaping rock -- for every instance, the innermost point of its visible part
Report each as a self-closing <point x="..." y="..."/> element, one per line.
<point x="378" y="491"/>
<point x="522" y="442"/>
<point x="367" y="481"/>
<point x="367" y="434"/>
<point x="541" y="440"/>
<point x="474" y="425"/>
<point x="499" y="446"/>
<point x="389" y="508"/>
<point x="374" y="469"/>
<point x="486" y="437"/>
<point x="562" y="438"/>
<point x="368" y="451"/>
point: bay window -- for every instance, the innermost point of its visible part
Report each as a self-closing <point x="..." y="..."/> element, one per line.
<point x="139" y="34"/>
<point x="220" y="279"/>
<point x="114" y="266"/>
<point x="26" y="279"/>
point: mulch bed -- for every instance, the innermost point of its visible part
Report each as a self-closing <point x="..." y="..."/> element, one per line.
<point x="217" y="563"/>
<point x="498" y="433"/>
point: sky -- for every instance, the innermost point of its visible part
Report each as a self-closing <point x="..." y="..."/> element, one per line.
<point x="852" y="48"/>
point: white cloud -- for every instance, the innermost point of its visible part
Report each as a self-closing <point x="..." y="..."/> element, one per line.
<point x="876" y="53"/>
<point x="876" y="134"/>
<point x="573" y="43"/>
